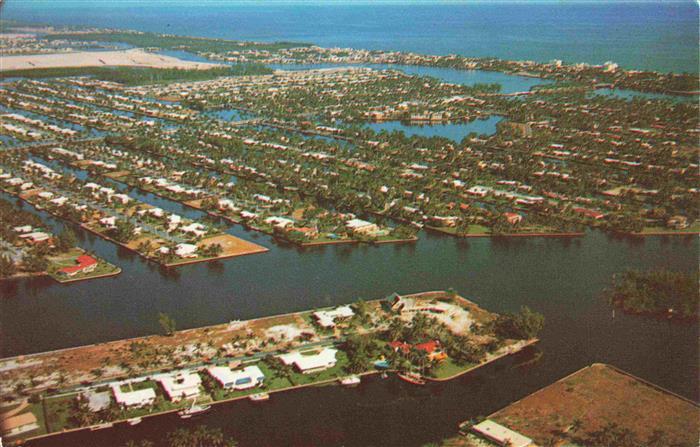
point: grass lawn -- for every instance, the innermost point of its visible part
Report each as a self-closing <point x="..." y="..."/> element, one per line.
<point x="449" y="368"/>
<point x="68" y="259"/>
<point x="58" y="412"/>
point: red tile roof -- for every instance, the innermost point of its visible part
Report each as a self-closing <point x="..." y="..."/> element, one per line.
<point x="83" y="261"/>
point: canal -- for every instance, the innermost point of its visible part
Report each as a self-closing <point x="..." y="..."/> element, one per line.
<point x="562" y="278"/>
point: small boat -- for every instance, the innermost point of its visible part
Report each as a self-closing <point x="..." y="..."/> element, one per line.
<point x="134" y="421"/>
<point x="259" y="397"/>
<point x="350" y="381"/>
<point x="187" y="413"/>
<point x="413" y="378"/>
<point x="101" y="426"/>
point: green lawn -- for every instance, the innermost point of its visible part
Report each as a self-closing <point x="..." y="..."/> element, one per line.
<point x="68" y="258"/>
<point x="58" y="412"/>
<point x="449" y="368"/>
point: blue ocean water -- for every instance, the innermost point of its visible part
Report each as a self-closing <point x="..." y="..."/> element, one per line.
<point x="654" y="35"/>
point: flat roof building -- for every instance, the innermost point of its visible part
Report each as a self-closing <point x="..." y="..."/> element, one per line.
<point x="310" y="363"/>
<point x="248" y="377"/>
<point x="182" y="385"/>
<point x="501" y="435"/>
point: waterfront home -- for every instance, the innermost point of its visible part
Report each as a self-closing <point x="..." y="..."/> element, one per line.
<point x="84" y="264"/>
<point x="359" y="226"/>
<point x="678" y="222"/>
<point x="513" y="218"/>
<point x="327" y="318"/>
<point x="186" y="250"/>
<point x="311" y="362"/>
<point x="18" y="424"/>
<point x="23" y="229"/>
<point x="137" y="398"/>
<point x="36" y="237"/>
<point x="501" y="435"/>
<point x="183" y="385"/>
<point x="279" y="222"/>
<point x="242" y="379"/>
<point x="109" y="222"/>
<point x="431" y="348"/>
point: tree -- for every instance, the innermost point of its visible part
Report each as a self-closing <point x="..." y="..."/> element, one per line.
<point x="141" y="443"/>
<point x="7" y="267"/>
<point x="524" y="325"/>
<point x="167" y="323"/>
<point x="81" y="414"/>
<point x="358" y="351"/>
<point x="34" y="262"/>
<point x="66" y="240"/>
<point x="200" y="436"/>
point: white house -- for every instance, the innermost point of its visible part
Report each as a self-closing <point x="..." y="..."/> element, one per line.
<point x="242" y="379"/>
<point x="186" y="250"/>
<point x="361" y="226"/>
<point x="327" y="318"/>
<point x="500" y="434"/>
<point x="279" y="222"/>
<point x="311" y="363"/>
<point x="182" y="385"/>
<point x="137" y="398"/>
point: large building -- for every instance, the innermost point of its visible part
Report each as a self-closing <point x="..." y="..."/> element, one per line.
<point x="311" y="362"/>
<point x="182" y="385"/>
<point x="242" y="379"/>
<point x="135" y="398"/>
<point x="501" y="435"/>
<point x="327" y="318"/>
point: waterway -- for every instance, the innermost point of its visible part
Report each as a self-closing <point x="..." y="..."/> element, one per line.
<point x="454" y="131"/>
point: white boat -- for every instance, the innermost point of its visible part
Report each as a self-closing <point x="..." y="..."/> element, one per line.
<point x="187" y="413"/>
<point x="350" y="381"/>
<point x="259" y="397"/>
<point x="134" y="421"/>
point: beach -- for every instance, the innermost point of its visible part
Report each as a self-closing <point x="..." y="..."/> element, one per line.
<point x="135" y="57"/>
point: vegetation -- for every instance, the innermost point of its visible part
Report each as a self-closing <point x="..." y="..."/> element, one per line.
<point x="656" y="292"/>
<point x="167" y="323"/>
<point x="200" y="436"/>
<point x="171" y="42"/>
<point x="140" y="75"/>
<point x="524" y="325"/>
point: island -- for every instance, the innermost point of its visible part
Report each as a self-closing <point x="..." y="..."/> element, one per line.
<point x="424" y="337"/>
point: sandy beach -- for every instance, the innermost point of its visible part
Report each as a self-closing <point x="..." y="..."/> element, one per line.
<point x="125" y="58"/>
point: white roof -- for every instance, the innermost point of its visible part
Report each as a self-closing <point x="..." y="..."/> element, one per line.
<point x="501" y="434"/>
<point x="225" y="375"/>
<point x="181" y="383"/>
<point x="185" y="249"/>
<point x="326" y="318"/>
<point x="129" y="398"/>
<point x="325" y="358"/>
<point x="357" y="223"/>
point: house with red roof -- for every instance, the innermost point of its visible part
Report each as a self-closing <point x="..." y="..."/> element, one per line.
<point x="432" y="348"/>
<point x="84" y="264"/>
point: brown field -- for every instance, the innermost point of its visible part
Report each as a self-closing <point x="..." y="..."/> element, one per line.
<point x="597" y="395"/>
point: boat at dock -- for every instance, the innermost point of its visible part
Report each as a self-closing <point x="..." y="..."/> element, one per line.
<point x="413" y="378"/>
<point x="350" y="380"/>
<point x="259" y="397"/>
<point x="134" y="421"/>
<point x="187" y="413"/>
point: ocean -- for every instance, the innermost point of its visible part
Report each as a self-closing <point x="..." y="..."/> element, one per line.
<point x="659" y="36"/>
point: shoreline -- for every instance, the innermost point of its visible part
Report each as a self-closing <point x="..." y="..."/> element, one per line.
<point x="335" y="380"/>
<point x="84" y="226"/>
